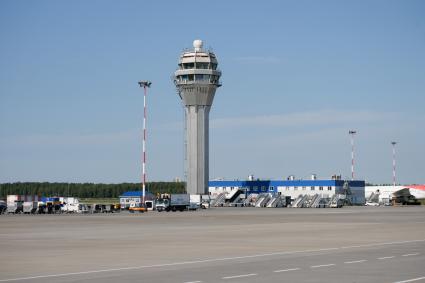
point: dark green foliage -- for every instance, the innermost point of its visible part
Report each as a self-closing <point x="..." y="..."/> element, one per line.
<point x="86" y="190"/>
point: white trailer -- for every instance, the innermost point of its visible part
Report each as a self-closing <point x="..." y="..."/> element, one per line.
<point x="30" y="207"/>
<point x="195" y="202"/>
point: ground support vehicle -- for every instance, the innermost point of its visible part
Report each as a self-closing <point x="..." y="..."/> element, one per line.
<point x="52" y="208"/>
<point x="137" y="207"/>
<point x="15" y="207"/>
<point x="107" y="208"/>
<point x="162" y="204"/>
<point x="96" y="208"/>
<point x="179" y="202"/>
<point x="150" y="205"/>
<point x="195" y="202"/>
<point x="83" y="208"/>
<point x="3" y="207"/>
<point x="175" y="202"/>
<point x="30" y="207"/>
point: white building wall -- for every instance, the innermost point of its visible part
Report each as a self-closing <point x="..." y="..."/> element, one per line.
<point x="384" y="191"/>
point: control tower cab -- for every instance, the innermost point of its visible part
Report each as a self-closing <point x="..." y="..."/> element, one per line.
<point x="197" y="79"/>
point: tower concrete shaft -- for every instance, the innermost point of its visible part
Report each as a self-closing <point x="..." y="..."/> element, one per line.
<point x="197" y="80"/>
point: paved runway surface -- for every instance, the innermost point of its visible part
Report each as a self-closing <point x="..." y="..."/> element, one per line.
<point x="358" y="244"/>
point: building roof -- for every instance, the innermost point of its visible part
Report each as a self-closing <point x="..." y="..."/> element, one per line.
<point x="135" y="194"/>
<point x="285" y="183"/>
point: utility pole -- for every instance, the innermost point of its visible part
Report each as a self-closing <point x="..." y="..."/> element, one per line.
<point x="145" y="85"/>
<point x="352" y="133"/>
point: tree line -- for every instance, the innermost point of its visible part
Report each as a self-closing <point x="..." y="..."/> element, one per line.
<point x="86" y="190"/>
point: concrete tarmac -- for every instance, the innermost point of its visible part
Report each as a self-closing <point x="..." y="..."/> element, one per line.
<point x="351" y="244"/>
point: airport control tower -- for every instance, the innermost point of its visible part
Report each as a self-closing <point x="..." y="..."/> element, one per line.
<point x="196" y="80"/>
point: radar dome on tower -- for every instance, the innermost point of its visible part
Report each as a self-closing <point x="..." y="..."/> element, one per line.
<point x="197" y="44"/>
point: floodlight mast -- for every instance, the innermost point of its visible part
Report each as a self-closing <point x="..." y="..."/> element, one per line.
<point x="393" y="143"/>
<point x="352" y="133"/>
<point x="145" y="85"/>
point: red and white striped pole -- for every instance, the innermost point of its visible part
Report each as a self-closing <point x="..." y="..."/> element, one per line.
<point x="393" y="144"/>
<point x="145" y="85"/>
<point x="352" y="133"/>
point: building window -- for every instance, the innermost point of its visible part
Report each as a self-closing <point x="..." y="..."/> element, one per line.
<point x="329" y="188"/>
<point x="271" y="189"/>
<point x="304" y="188"/>
<point x="295" y="188"/>
<point x="320" y="188"/>
<point x="263" y="189"/>
<point x="312" y="188"/>
<point x="255" y="188"/>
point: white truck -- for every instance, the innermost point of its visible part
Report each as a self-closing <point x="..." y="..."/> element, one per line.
<point x="176" y="202"/>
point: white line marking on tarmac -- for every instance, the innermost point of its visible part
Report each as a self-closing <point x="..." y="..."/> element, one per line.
<point x="386" y="257"/>
<point x="322" y="265"/>
<point x="203" y="261"/>
<point x="355" y="261"/>
<point x="240" y="276"/>
<point x="382" y="244"/>
<point x="410" y="254"/>
<point x="285" y="270"/>
<point x="411" y="280"/>
<point x="193" y="282"/>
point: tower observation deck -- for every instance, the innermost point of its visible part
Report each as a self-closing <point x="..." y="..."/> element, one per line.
<point x="196" y="80"/>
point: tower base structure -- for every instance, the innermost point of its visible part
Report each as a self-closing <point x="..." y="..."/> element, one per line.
<point x="197" y="123"/>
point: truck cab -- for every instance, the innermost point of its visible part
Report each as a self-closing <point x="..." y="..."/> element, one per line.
<point x="162" y="204"/>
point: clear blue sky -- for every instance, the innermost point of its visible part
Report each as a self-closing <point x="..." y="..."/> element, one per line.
<point x="297" y="75"/>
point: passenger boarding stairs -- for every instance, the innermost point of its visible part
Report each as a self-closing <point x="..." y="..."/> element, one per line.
<point x="335" y="201"/>
<point x="316" y="201"/>
<point x="310" y="200"/>
<point x="249" y="200"/>
<point x="262" y="200"/>
<point x="233" y="196"/>
<point x="374" y="197"/>
<point x="219" y="200"/>
<point x="275" y="201"/>
<point x="300" y="201"/>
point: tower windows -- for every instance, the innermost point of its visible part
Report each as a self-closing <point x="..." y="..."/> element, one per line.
<point x="188" y="65"/>
<point x="202" y="65"/>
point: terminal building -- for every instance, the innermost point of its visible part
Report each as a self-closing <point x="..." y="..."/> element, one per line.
<point x="291" y="187"/>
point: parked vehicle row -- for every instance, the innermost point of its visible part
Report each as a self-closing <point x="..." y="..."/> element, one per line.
<point x="38" y="207"/>
<point x="57" y="205"/>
